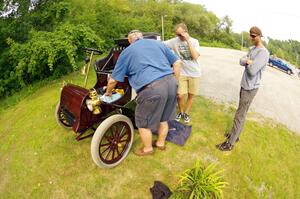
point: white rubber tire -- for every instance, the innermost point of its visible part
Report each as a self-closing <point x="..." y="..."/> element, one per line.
<point x="100" y="132"/>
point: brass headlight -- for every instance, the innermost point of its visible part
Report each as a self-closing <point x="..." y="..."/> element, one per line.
<point x="93" y="104"/>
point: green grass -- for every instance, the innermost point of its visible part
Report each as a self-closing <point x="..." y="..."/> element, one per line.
<point x="39" y="159"/>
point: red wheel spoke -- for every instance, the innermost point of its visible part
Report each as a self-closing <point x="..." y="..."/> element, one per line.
<point x="113" y="153"/>
<point x="123" y="136"/>
<point x="104" y="144"/>
<point x="123" y="140"/>
<point x="107" y="155"/>
<point x="108" y="136"/>
<point x="121" y="133"/>
<point x="118" y="152"/>
<point x="114" y="131"/>
<point x="105" y="150"/>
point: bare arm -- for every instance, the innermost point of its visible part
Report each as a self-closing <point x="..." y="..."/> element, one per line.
<point x="193" y="51"/>
<point x="110" y="86"/>
<point x="176" y="69"/>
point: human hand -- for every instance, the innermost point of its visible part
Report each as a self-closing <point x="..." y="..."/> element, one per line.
<point x="185" y="35"/>
<point x="249" y="61"/>
<point x="244" y="58"/>
<point x="108" y="93"/>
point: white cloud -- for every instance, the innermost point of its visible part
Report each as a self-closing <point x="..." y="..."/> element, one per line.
<point x="278" y="20"/>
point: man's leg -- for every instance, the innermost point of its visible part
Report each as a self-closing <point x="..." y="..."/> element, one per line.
<point x="180" y="100"/>
<point x="162" y="133"/>
<point x="246" y="98"/>
<point x="189" y="103"/>
<point x="193" y="88"/>
<point x="182" y="90"/>
<point x="146" y="136"/>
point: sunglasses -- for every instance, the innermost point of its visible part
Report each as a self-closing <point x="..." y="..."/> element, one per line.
<point x="253" y="36"/>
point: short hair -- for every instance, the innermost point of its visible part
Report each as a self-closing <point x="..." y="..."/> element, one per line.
<point x="255" y="30"/>
<point x="134" y="31"/>
<point x="181" y="25"/>
<point x="134" y="35"/>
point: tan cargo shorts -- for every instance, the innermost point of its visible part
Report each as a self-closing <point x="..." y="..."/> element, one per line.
<point x="188" y="85"/>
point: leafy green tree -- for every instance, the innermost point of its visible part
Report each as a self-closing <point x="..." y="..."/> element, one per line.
<point x="48" y="53"/>
<point x="288" y="50"/>
<point x="198" y="19"/>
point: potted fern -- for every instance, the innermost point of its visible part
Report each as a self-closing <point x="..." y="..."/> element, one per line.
<point x="200" y="182"/>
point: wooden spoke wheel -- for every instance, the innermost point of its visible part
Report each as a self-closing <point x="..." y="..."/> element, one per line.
<point x="112" y="141"/>
<point x="61" y="118"/>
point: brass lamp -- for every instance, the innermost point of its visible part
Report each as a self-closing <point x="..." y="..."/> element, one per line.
<point x="93" y="104"/>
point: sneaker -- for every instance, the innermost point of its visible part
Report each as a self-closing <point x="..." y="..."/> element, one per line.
<point x="186" y="118"/>
<point x="225" y="146"/>
<point x="179" y="116"/>
<point x="227" y="135"/>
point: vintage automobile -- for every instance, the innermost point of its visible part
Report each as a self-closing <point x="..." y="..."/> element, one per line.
<point x="280" y="64"/>
<point x="110" y="120"/>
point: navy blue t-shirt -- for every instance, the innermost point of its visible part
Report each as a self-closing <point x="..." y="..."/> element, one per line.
<point x="144" y="61"/>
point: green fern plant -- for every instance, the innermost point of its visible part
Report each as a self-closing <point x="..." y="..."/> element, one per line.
<point x="200" y="182"/>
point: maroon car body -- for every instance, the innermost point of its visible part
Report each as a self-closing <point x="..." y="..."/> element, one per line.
<point x="73" y="97"/>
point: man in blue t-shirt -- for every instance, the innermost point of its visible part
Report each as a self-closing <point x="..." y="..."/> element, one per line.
<point x="147" y="64"/>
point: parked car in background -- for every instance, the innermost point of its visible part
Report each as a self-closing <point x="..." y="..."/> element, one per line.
<point x="280" y="64"/>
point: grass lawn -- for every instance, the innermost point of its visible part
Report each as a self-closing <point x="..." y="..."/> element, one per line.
<point x="39" y="159"/>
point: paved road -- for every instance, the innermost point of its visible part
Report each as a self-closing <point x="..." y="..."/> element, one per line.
<point x="278" y="96"/>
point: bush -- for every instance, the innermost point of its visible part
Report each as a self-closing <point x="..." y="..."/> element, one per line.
<point x="47" y="54"/>
<point x="200" y="182"/>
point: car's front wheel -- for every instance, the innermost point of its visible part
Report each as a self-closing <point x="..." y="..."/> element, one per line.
<point x="112" y="141"/>
<point x="289" y="72"/>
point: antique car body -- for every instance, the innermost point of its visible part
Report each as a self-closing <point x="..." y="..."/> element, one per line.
<point x="87" y="114"/>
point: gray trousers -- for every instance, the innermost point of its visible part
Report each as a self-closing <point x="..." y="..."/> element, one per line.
<point x="246" y="97"/>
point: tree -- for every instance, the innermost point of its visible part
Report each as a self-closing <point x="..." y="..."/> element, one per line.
<point x="225" y="24"/>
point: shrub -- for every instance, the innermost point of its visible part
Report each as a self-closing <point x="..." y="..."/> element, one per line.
<point x="200" y="182"/>
<point x="48" y="54"/>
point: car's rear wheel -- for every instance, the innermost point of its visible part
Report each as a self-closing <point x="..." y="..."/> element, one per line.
<point x="289" y="72"/>
<point x="270" y="64"/>
<point x="112" y="141"/>
<point x="61" y="118"/>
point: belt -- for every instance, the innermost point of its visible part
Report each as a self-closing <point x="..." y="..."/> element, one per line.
<point x="155" y="82"/>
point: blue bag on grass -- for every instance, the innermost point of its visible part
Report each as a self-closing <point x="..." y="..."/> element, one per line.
<point x="178" y="132"/>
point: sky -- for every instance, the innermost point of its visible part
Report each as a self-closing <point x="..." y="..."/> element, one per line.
<point x="276" y="20"/>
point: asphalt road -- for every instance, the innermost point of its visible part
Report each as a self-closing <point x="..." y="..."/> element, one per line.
<point x="278" y="96"/>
